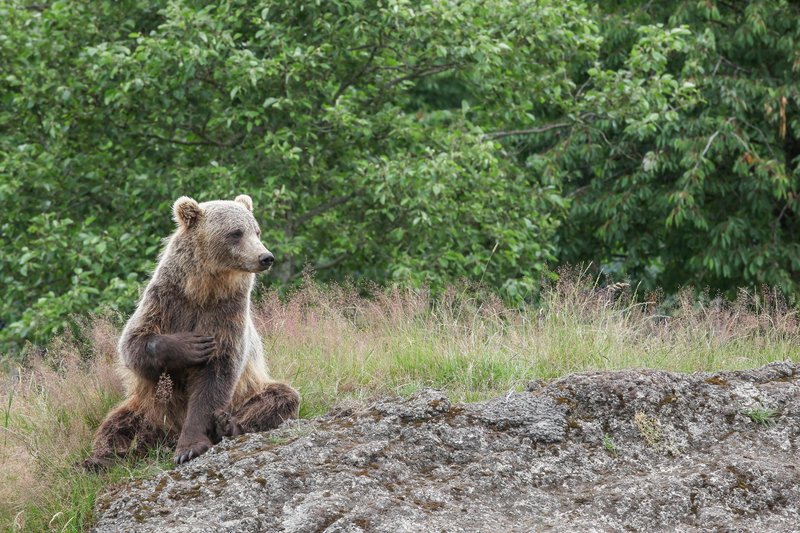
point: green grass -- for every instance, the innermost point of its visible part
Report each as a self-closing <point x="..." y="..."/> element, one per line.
<point x="335" y="345"/>
<point x="67" y="503"/>
<point x="609" y="445"/>
<point x="761" y="415"/>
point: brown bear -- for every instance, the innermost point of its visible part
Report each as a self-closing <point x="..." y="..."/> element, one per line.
<point x="190" y="355"/>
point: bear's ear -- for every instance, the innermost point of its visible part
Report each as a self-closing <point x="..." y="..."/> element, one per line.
<point x="187" y="212"/>
<point x="246" y="201"/>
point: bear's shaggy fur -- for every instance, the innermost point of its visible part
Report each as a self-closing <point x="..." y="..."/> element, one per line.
<point x="192" y="360"/>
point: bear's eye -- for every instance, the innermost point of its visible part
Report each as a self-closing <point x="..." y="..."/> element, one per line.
<point x="258" y="233"/>
<point x="236" y="234"/>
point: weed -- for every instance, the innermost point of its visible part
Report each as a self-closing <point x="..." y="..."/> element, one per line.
<point x="609" y="445"/>
<point x="649" y="429"/>
<point x="7" y="412"/>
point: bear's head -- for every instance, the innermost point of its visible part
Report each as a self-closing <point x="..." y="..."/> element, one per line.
<point x="224" y="235"/>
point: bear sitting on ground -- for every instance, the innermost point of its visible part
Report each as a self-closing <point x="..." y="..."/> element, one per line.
<point x="192" y="360"/>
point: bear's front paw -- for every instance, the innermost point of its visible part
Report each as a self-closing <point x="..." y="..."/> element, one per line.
<point x="188" y="451"/>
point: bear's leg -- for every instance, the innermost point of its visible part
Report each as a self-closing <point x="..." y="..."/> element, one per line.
<point x="211" y="389"/>
<point x="267" y="409"/>
<point x="123" y="433"/>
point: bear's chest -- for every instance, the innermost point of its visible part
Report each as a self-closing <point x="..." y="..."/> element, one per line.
<point x="220" y="319"/>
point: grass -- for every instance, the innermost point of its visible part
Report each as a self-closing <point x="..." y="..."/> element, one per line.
<point x="649" y="429"/>
<point x="761" y="415"/>
<point x="609" y="445"/>
<point x="334" y="344"/>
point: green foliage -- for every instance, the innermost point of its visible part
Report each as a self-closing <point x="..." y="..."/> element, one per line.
<point x="397" y="142"/>
<point x="609" y="445"/>
<point x="356" y="126"/>
<point x="707" y="196"/>
<point x="761" y="415"/>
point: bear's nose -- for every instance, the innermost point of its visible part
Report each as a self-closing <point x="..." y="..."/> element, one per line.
<point x="266" y="259"/>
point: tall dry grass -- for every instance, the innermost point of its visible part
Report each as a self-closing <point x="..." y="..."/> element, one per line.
<point x="52" y="405"/>
<point x="334" y="343"/>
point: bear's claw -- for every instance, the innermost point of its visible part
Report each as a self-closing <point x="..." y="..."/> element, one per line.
<point x="184" y="454"/>
<point x="185" y="457"/>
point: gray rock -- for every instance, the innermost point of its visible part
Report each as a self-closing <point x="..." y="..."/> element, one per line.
<point x="599" y="451"/>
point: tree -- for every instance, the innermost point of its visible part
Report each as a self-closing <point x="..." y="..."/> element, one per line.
<point x="709" y="197"/>
<point x="359" y="128"/>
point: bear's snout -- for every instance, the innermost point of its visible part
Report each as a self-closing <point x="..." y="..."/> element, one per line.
<point x="266" y="260"/>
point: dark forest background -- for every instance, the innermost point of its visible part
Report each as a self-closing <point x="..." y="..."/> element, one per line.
<point x="414" y="143"/>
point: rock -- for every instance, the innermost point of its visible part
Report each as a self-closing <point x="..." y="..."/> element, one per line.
<point x="423" y="405"/>
<point x="598" y="451"/>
